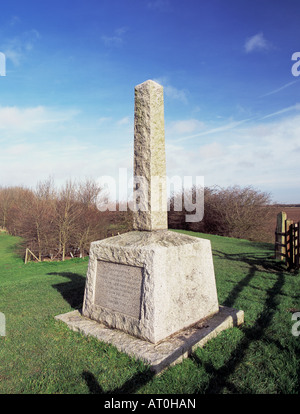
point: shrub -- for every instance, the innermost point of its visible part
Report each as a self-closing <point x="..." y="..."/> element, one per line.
<point x="236" y="212"/>
<point x="233" y="212"/>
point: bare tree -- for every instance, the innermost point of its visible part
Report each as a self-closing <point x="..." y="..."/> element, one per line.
<point x="91" y="224"/>
<point x="6" y="201"/>
<point x="43" y="215"/>
<point x="67" y="213"/>
<point x="58" y="223"/>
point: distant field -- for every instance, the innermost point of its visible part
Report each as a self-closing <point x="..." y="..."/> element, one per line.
<point x="293" y="213"/>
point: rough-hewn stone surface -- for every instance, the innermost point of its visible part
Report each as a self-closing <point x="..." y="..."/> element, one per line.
<point x="168" y="352"/>
<point x="149" y="157"/>
<point x="178" y="282"/>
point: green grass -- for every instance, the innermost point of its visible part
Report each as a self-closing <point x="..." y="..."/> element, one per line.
<point x="41" y="355"/>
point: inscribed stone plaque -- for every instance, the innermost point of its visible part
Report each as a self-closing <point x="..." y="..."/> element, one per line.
<point x="118" y="288"/>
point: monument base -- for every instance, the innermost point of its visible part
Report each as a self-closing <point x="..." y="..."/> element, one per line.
<point x="150" y="284"/>
<point x="168" y="352"/>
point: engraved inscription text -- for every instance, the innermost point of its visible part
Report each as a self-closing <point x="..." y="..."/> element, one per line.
<point x="118" y="288"/>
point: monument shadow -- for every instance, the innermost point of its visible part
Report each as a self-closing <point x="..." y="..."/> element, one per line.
<point x="73" y="289"/>
<point x="129" y="387"/>
<point x="258" y="262"/>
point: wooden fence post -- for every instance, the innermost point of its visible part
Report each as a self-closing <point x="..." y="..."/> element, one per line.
<point x="32" y="254"/>
<point x="289" y="243"/>
<point x="296" y="238"/>
<point x="26" y="256"/>
<point x="280" y="228"/>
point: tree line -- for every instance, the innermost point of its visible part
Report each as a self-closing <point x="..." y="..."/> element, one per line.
<point x="58" y="223"/>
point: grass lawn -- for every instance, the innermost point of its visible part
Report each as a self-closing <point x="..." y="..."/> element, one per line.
<point x="41" y="355"/>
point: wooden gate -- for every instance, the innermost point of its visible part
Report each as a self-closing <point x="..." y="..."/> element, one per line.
<point x="287" y="241"/>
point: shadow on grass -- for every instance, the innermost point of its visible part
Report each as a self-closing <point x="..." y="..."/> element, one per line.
<point x="73" y="290"/>
<point x="220" y="378"/>
<point x="257" y="263"/>
<point x="129" y="387"/>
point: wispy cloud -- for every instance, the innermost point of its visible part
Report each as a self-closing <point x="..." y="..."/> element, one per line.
<point x="295" y="107"/>
<point x="245" y="155"/>
<point x="279" y="89"/>
<point x="160" y="5"/>
<point x="222" y="128"/>
<point x="186" y="126"/>
<point x="116" y="39"/>
<point x="171" y="91"/>
<point x="26" y="163"/>
<point x="13" y="119"/>
<point x="104" y="119"/>
<point x="213" y="150"/>
<point x="124" y="121"/>
<point x="257" y="43"/>
<point x="178" y="94"/>
<point x="14" y="20"/>
<point x="16" y="48"/>
<point x="46" y="141"/>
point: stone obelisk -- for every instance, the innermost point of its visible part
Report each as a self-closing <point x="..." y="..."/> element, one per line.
<point x="150" y="282"/>
<point x="151" y="292"/>
<point x="150" y="158"/>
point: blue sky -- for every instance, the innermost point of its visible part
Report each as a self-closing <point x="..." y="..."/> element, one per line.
<point x="232" y="104"/>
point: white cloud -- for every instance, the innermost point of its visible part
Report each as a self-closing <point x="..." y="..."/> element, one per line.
<point x="15" y="49"/>
<point x="121" y="31"/>
<point x="124" y="121"/>
<point x="171" y="91"/>
<point x="160" y="5"/>
<point x="183" y="127"/>
<point x="257" y="43"/>
<point x="264" y="155"/>
<point x="174" y="93"/>
<point x="39" y="142"/>
<point x="279" y="89"/>
<point x="104" y="119"/>
<point x="14" y="20"/>
<point x="116" y="39"/>
<point x="295" y="107"/>
<point x="14" y="119"/>
<point x="210" y="131"/>
<point x="112" y="40"/>
<point x="213" y="150"/>
<point x="67" y="156"/>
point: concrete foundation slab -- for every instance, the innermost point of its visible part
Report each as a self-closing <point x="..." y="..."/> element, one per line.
<point x="168" y="352"/>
